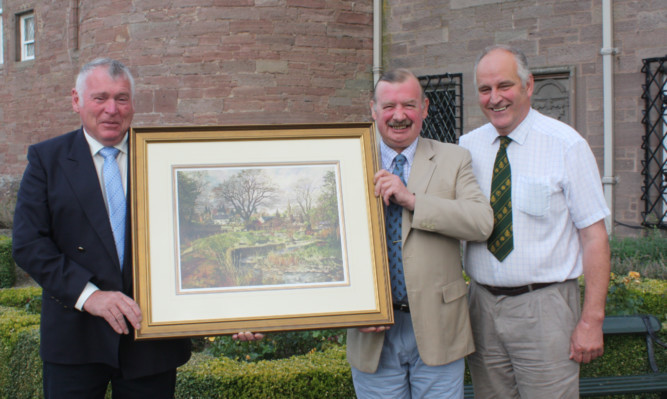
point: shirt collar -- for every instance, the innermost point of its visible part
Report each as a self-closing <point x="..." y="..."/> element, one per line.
<point x="388" y="154"/>
<point x="96" y="146"/>
<point x="520" y="133"/>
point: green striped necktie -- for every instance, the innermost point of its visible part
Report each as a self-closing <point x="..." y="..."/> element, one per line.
<point x="501" y="241"/>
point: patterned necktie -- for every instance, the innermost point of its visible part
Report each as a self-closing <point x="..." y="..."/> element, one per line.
<point x="394" y="240"/>
<point x="501" y="241"/>
<point x="113" y="185"/>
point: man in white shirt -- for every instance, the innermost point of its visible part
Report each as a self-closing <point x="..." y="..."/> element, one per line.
<point x="529" y="329"/>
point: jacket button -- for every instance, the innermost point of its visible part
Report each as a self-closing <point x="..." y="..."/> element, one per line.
<point x="80" y="249"/>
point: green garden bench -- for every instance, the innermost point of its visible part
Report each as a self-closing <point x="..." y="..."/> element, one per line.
<point x="656" y="381"/>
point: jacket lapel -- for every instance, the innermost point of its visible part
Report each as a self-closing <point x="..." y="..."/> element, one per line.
<point x="420" y="176"/>
<point x="80" y="171"/>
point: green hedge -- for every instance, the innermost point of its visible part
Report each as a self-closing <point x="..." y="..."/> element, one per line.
<point x="315" y="375"/>
<point x="28" y="298"/>
<point x="20" y="365"/>
<point x="7" y="267"/>
<point x="627" y="355"/>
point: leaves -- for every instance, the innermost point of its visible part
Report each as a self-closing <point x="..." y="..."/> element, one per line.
<point x="622" y="299"/>
<point x="277" y="345"/>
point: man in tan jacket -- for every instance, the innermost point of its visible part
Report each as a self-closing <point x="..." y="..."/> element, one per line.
<point x="421" y="355"/>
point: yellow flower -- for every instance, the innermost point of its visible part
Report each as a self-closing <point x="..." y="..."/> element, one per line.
<point x="613" y="276"/>
<point x="634" y="275"/>
<point x="212" y="339"/>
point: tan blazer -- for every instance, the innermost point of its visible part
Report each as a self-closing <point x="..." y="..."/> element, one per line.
<point x="449" y="207"/>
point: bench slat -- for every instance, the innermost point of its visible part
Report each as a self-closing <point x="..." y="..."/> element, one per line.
<point x="618" y="385"/>
<point x="628" y="324"/>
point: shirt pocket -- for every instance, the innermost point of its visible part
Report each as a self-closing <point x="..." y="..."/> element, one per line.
<point x="532" y="195"/>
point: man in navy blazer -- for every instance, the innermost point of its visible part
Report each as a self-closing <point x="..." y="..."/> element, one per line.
<point x="63" y="238"/>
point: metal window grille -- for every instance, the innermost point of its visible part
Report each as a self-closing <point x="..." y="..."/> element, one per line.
<point x="445" y="111"/>
<point x="654" y="142"/>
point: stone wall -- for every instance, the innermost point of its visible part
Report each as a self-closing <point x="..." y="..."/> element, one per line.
<point x="194" y="62"/>
<point x="308" y="61"/>
<point x="433" y="37"/>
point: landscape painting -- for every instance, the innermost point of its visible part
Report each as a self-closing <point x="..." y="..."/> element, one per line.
<point x="259" y="227"/>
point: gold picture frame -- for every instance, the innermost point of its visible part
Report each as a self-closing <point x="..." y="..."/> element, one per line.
<point x="257" y="228"/>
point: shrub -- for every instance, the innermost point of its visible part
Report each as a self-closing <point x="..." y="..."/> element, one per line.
<point x="24" y="366"/>
<point x="624" y="355"/>
<point x="645" y="255"/>
<point x="627" y="354"/>
<point x="276" y="345"/>
<point x="20" y="366"/>
<point x="28" y="298"/>
<point x="7" y="266"/>
<point x="622" y="299"/>
<point x="631" y="294"/>
<point x="316" y="375"/>
<point x="321" y="373"/>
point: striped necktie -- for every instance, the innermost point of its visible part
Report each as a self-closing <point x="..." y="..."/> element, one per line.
<point x="501" y="242"/>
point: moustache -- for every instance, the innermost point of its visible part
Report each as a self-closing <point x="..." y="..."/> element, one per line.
<point x="400" y="125"/>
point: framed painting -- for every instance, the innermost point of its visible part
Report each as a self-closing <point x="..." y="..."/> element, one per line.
<point x="257" y="228"/>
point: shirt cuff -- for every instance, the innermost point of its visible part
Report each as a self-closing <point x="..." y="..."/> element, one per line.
<point x="87" y="292"/>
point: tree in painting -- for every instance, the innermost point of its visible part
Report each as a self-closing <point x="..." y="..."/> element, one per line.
<point x="328" y="203"/>
<point x="247" y="191"/>
<point x="304" y="198"/>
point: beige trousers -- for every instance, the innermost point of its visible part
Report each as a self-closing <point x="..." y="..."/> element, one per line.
<point x="523" y="343"/>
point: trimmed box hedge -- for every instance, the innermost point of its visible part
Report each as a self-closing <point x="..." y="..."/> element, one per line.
<point x="7" y="266"/>
<point x="20" y="365"/>
<point x="315" y="375"/>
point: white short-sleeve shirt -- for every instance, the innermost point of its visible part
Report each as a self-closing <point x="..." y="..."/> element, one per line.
<point x="556" y="191"/>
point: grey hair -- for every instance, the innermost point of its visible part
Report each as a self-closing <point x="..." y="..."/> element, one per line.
<point x="521" y="62"/>
<point x="115" y="69"/>
<point x="399" y="75"/>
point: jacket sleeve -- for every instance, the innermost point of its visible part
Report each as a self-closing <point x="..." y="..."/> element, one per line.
<point x="37" y="240"/>
<point x="462" y="212"/>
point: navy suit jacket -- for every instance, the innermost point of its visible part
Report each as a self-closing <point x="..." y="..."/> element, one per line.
<point x="62" y="237"/>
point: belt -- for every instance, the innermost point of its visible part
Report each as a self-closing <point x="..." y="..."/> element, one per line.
<point x="403" y="307"/>
<point x="514" y="291"/>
